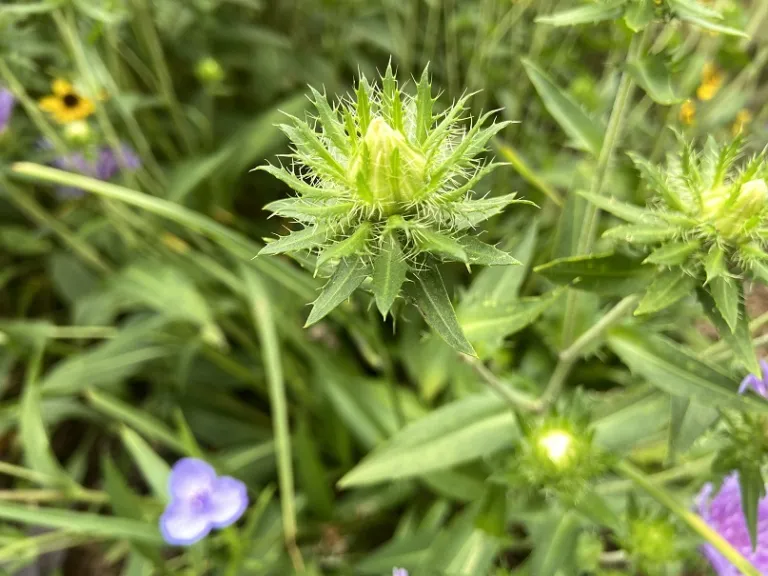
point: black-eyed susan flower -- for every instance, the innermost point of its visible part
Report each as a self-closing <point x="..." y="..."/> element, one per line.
<point x="66" y="104"/>
<point x="687" y="113"/>
<point x="711" y="82"/>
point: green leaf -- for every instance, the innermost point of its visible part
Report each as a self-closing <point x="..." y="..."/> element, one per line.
<point x="349" y="274"/>
<point x="332" y="128"/>
<point x="431" y="241"/>
<point x="478" y="252"/>
<point x="695" y="13"/>
<point x="125" y="503"/>
<point x="311" y="473"/>
<point x="355" y="244"/>
<point x="424" y="103"/>
<point x="38" y="454"/>
<point x="435" y="306"/>
<point x="82" y="523"/>
<point x="676" y="370"/>
<point x="490" y="321"/>
<point x="673" y="253"/>
<point x="739" y="339"/>
<point x="153" y="468"/>
<point x="715" y="264"/>
<point x="613" y="205"/>
<point x="304" y="239"/>
<point x="492" y="516"/>
<point x="641" y="233"/>
<point x="587" y="132"/>
<point x="460" y="432"/>
<point x="606" y="273"/>
<point x="108" y="363"/>
<point x="137" y="419"/>
<point x="556" y="540"/>
<point x="752" y="488"/>
<point x="678" y="408"/>
<point x="651" y="74"/>
<point x="389" y="271"/>
<point x="726" y="296"/>
<point x="639" y="14"/>
<point x="309" y="209"/>
<point x="667" y="288"/>
<point x="589" y="14"/>
<point x="301" y="186"/>
<point x="21" y="240"/>
<point x="503" y="284"/>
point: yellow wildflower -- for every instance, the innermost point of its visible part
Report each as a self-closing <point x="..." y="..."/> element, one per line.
<point x="711" y="81"/>
<point x="65" y="104"/>
<point x="743" y="117"/>
<point x="688" y="112"/>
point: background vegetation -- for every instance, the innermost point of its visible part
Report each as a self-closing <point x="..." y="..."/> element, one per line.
<point x="137" y="327"/>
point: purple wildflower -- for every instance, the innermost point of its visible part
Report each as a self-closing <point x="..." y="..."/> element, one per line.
<point x="758" y="383"/>
<point x="724" y="514"/>
<point x="7" y="102"/>
<point x="105" y="166"/>
<point x="199" y="502"/>
<point x="399" y="572"/>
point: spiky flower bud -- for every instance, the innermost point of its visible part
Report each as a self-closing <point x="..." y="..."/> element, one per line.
<point x="385" y="189"/>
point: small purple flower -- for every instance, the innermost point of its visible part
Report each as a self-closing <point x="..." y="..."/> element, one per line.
<point x="7" y="102"/>
<point x="399" y="572"/>
<point x="199" y="502"/>
<point x="724" y="514"/>
<point x="758" y="383"/>
<point x="105" y="166"/>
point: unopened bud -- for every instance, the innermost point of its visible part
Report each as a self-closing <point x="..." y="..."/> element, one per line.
<point x="557" y="446"/>
<point x="388" y="171"/>
<point x="730" y="215"/>
<point x="78" y="132"/>
<point x="209" y="71"/>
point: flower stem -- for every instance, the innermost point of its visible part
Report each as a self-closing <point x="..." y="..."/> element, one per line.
<point x="569" y="356"/>
<point x="695" y="522"/>
<point x="591" y="212"/>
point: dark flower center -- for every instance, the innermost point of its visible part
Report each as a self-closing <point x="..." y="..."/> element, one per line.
<point x="71" y="100"/>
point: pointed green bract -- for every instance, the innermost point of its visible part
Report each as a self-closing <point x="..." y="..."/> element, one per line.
<point x="349" y="274"/>
<point x="478" y="252"/>
<point x="389" y="271"/>
<point x="435" y="306"/>
<point x="666" y="289"/>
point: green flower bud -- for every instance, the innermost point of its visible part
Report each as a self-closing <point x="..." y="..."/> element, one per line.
<point x="78" y="133"/>
<point x="209" y="71"/>
<point x="385" y="190"/>
<point x="731" y="209"/>
<point x="557" y="447"/>
<point x="394" y="170"/>
<point x="652" y="543"/>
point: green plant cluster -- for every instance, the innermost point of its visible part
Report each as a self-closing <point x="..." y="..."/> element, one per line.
<point x="456" y="288"/>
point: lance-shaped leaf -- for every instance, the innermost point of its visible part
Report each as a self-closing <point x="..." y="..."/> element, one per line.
<point x="589" y="14"/>
<point x="435" y="306"/>
<point x="673" y="253"/>
<point x="606" y="273"/>
<point x="478" y="252"/>
<point x="612" y="205"/>
<point x="351" y="246"/>
<point x="498" y="320"/>
<point x="666" y="289"/>
<point x="641" y="233"/>
<point x="651" y="73"/>
<point x="349" y="274"/>
<point x="586" y="131"/>
<point x="430" y="241"/>
<point x="304" y="239"/>
<point x="389" y="271"/>
<point x="739" y="339"/>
